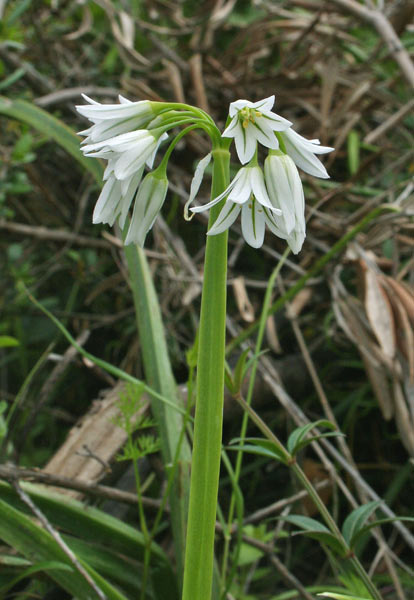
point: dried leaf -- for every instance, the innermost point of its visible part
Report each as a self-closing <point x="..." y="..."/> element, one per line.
<point x="300" y="301"/>
<point x="379" y="313"/>
<point x="405" y="295"/>
<point x="272" y="336"/>
<point x="381" y="388"/>
<point x="404" y="330"/>
<point x="242" y="300"/>
<point x="404" y="422"/>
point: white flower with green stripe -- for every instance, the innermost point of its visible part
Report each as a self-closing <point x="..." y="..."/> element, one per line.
<point x="253" y="122"/>
<point x="247" y="194"/>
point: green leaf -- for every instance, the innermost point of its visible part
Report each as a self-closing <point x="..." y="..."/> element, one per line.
<point x="121" y="570"/>
<point x="298" y="439"/>
<point x="175" y="448"/>
<point x="317" y="531"/>
<point x="239" y="371"/>
<point x="74" y="518"/>
<point x="15" y="76"/>
<point x="6" y="341"/>
<point x="356" y="520"/>
<point x="366" y="528"/>
<point x="36" y="544"/>
<point x="260" y="446"/>
<point x="51" y="127"/>
<point x="306" y="523"/>
<point x="39" y="567"/>
<point x="353" y="151"/>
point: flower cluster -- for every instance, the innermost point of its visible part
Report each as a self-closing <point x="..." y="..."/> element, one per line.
<point x="273" y="198"/>
<point x="127" y="135"/>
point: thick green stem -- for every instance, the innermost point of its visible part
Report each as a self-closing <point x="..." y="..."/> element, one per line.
<point x="199" y="555"/>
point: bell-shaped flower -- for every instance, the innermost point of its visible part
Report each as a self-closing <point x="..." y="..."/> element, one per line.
<point x="115" y="136"/>
<point x="128" y="152"/>
<point x="253" y="122"/>
<point x="303" y="152"/>
<point x="115" y="199"/>
<point x="286" y="193"/>
<point x="148" y="202"/>
<point x="110" y="120"/>
<point x="246" y="193"/>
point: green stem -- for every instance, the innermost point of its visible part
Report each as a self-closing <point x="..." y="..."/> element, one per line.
<point x="330" y="522"/>
<point x="290" y="461"/>
<point x="199" y="555"/>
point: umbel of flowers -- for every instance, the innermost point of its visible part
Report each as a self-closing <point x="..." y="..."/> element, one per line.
<point x="128" y="136"/>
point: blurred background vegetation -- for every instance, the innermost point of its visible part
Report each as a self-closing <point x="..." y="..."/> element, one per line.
<point x="349" y="331"/>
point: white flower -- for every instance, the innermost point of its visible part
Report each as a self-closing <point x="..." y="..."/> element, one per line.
<point x="286" y="193"/>
<point x="246" y="193"/>
<point x="302" y="151"/>
<point x="110" y="120"/>
<point x="115" y="199"/>
<point x="128" y="152"/>
<point x="117" y="137"/>
<point x="150" y="198"/>
<point x="254" y="122"/>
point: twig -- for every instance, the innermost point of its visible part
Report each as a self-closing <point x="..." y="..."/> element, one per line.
<point x="386" y="31"/>
<point x="57" y="235"/>
<point x="74" y="94"/>
<point x="11" y="473"/>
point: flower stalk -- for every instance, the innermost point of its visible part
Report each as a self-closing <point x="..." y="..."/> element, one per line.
<point x="199" y="557"/>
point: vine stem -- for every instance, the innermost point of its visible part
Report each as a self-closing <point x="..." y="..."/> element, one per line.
<point x="208" y="419"/>
<point x="290" y="461"/>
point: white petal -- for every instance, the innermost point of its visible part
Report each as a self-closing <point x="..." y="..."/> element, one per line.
<point x="86" y="132"/>
<point x="150" y="198"/>
<point x="151" y="159"/>
<point x="295" y="241"/>
<point x="111" y="111"/>
<point x="85" y="97"/>
<point x="307" y="145"/>
<point x="231" y="129"/>
<point x="263" y="134"/>
<point x="274" y="121"/>
<point x="225" y="219"/>
<point x="280" y="192"/>
<point x="128" y="195"/>
<point x="264" y="105"/>
<point x="245" y="145"/>
<point x="133" y="159"/>
<point x="307" y="161"/>
<point x="303" y="153"/>
<point x="242" y="188"/>
<point x="197" y="209"/>
<point x="238" y="105"/>
<point x="121" y="142"/>
<point x="253" y="224"/>
<point x="196" y="182"/>
<point x="273" y="223"/>
<point x="107" y="201"/>
<point x="114" y="127"/>
<point x="124" y="100"/>
<point x="259" y="189"/>
<point x="298" y="197"/>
